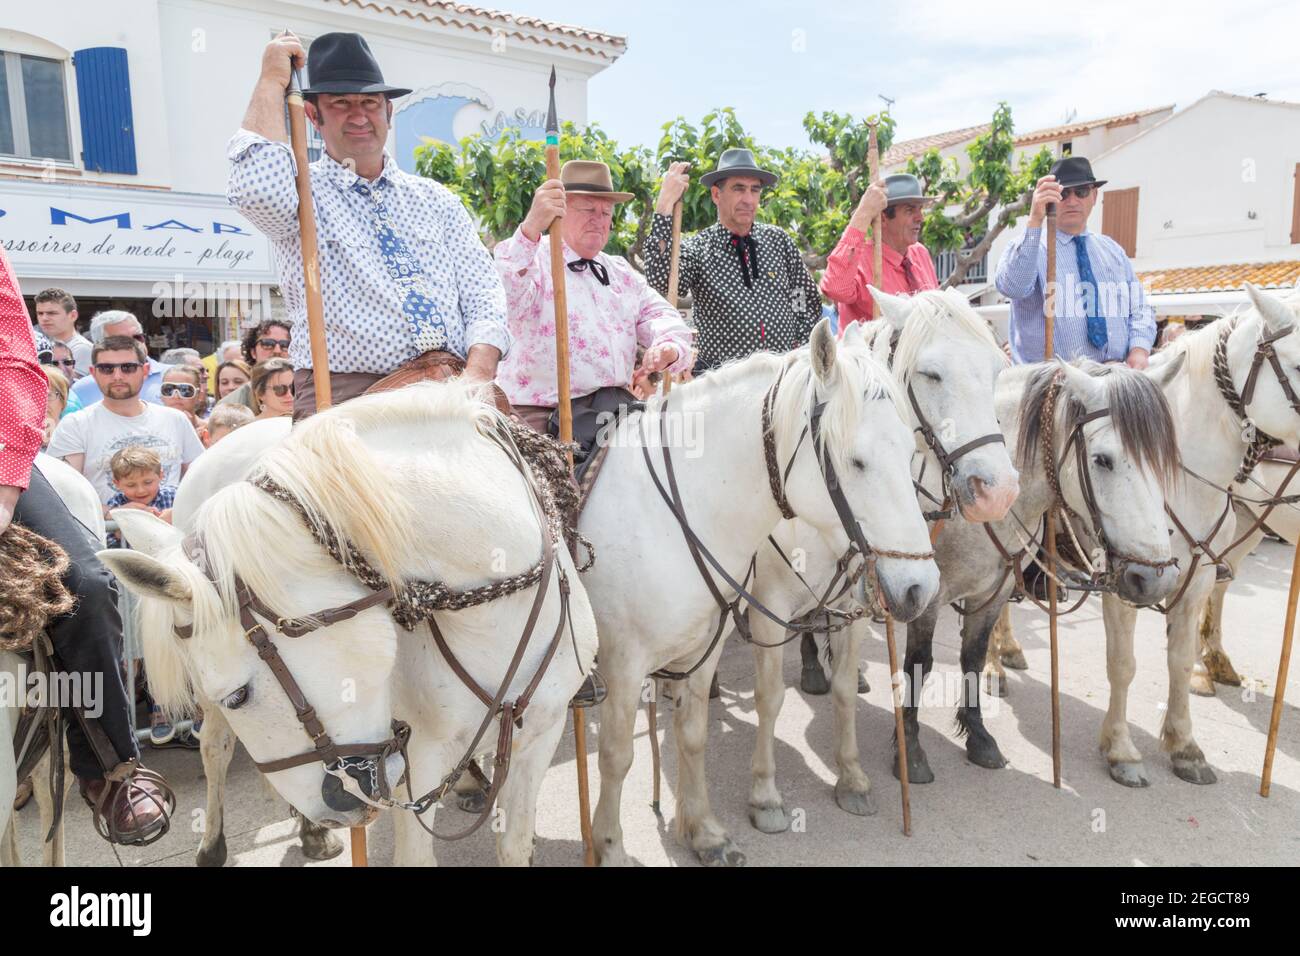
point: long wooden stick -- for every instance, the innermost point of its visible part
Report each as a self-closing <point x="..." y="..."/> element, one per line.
<point x="1049" y="330"/>
<point x="896" y="678"/>
<point x="310" y="253"/>
<point x="1283" y="665"/>
<point x="565" y="406"/>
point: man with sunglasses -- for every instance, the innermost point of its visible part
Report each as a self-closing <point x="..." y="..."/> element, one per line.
<point x="87" y="439"/>
<point x="406" y="282"/>
<point x="116" y="323"/>
<point x="1101" y="308"/>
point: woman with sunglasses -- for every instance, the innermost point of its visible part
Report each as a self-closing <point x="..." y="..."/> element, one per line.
<point x="182" y="389"/>
<point x="271" y="388"/>
<point x="230" y="376"/>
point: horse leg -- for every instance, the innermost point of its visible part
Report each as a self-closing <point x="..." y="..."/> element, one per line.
<point x="766" y="808"/>
<point x="1122" y="756"/>
<point x="411" y="845"/>
<point x="617" y="724"/>
<point x="917" y="662"/>
<point x="216" y="747"/>
<point x="1176" y="736"/>
<point x="981" y="749"/>
<point x="9" y="846"/>
<point x="1009" y="650"/>
<point x="995" y="678"/>
<point x="853" y="787"/>
<point x="697" y="827"/>
<point x="516" y="811"/>
<point x="318" y="841"/>
<point x="1213" y="666"/>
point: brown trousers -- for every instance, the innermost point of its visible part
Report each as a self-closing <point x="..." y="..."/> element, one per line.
<point x="344" y="386"/>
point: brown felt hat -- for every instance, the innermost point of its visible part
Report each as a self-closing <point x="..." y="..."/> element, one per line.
<point x="585" y="176"/>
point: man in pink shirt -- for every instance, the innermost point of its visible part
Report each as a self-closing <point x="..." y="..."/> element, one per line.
<point x="612" y="310"/>
<point x="907" y="265"/>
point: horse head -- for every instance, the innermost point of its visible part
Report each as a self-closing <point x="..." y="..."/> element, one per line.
<point x="1270" y="408"/>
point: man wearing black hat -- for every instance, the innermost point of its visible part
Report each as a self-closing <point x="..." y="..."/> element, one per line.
<point x="750" y="287"/>
<point x="1101" y="308"/>
<point x="404" y="275"/>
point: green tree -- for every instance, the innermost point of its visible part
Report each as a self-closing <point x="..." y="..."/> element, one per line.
<point x="963" y="219"/>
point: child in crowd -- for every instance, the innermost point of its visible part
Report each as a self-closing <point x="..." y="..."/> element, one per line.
<point x="138" y="477"/>
<point x="224" y="420"/>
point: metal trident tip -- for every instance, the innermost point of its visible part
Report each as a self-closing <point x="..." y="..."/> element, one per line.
<point x="552" y="80"/>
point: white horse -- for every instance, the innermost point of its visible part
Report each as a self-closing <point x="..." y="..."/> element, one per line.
<point x="937" y="347"/>
<point x="1212" y="439"/>
<point x="83" y="503"/>
<point x="654" y="609"/>
<point x="1213" y="664"/>
<point x="413" y="479"/>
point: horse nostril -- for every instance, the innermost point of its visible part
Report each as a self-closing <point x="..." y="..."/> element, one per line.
<point x="1137" y="582"/>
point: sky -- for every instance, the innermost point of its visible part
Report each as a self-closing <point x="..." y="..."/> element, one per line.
<point x="945" y="63"/>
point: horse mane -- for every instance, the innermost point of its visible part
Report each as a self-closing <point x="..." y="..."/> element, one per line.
<point x="347" y="497"/>
<point x="941" y="313"/>
<point x="1139" y="414"/>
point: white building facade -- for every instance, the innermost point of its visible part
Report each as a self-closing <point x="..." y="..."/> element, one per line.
<point x="112" y="147"/>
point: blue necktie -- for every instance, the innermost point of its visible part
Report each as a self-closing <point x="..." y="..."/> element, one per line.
<point x="424" y="321"/>
<point x="1096" y="322"/>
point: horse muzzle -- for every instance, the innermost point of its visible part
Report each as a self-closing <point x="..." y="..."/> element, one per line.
<point x="1140" y="584"/>
<point x="356" y="783"/>
<point x="907" y="587"/>
<point x="980" y="499"/>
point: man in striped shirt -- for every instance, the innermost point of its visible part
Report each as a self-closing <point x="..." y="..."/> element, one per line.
<point x="1101" y="309"/>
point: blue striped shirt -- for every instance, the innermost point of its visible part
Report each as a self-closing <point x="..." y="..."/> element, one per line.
<point x="1022" y="276"/>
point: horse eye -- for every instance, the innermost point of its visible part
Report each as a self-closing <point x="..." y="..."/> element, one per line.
<point x="859" y="465"/>
<point x="236" y="700"/>
<point x="932" y="376"/>
<point x="1103" y="461"/>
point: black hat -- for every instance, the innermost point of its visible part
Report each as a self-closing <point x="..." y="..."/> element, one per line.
<point x="738" y="162"/>
<point x="343" y="63"/>
<point x="1075" y="171"/>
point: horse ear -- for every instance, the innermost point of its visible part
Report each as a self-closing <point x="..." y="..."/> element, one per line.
<point x="1165" y="372"/>
<point x="896" y="308"/>
<point x="852" y="335"/>
<point x="146" y="576"/>
<point x="144" y="531"/>
<point x="1087" y="389"/>
<point x="1277" y="314"/>
<point x="821" y="346"/>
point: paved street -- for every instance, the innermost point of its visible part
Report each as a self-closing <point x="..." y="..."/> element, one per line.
<point x="967" y="816"/>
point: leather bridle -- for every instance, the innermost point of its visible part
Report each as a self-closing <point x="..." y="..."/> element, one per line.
<point x="704" y="559"/>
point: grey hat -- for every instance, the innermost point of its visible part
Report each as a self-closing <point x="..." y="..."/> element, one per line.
<point x="738" y="162"/>
<point x="904" y="187"/>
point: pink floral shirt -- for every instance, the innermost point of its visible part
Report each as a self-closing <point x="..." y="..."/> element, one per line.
<point x="606" y="323"/>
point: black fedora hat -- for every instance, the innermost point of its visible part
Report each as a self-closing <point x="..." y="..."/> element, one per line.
<point x="1075" y="171"/>
<point x="343" y="63"/>
<point x="738" y="162"/>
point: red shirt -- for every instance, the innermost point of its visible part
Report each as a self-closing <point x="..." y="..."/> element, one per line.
<point x="848" y="270"/>
<point x="23" y="386"/>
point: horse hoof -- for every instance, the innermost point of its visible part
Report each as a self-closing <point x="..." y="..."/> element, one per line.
<point x="918" y="766"/>
<point x="863" y="686"/>
<point x="1015" y="660"/>
<point x="985" y="754"/>
<point x="472" y="801"/>
<point x="812" y="680"/>
<point x="1194" y="771"/>
<point x="214" y="855"/>
<point x="995" y="685"/>
<point x="1201" y="685"/>
<point x="1130" y="774"/>
<point x="769" y="819"/>
<point x="724" y="854"/>
<point x="860" y="803"/>
<point x="318" y="843"/>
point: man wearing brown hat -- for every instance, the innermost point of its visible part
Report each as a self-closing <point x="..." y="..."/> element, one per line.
<point x="1101" y="308"/>
<point x="405" y="279"/>
<point x="748" y="283"/>
<point x="906" y="266"/>
<point x="612" y="310"/>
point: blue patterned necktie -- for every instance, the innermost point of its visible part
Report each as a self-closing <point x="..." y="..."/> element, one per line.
<point x="1096" y="321"/>
<point x="423" y="320"/>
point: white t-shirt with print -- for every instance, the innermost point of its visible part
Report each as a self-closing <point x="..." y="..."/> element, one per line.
<point x="98" y="433"/>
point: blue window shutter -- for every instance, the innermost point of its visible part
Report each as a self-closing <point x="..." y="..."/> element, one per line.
<point x="104" y="96"/>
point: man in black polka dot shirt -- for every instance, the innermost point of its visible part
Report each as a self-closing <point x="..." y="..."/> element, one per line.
<point x="749" y="286"/>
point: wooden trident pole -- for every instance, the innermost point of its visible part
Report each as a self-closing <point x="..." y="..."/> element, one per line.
<point x="315" y="308"/>
<point x="565" y="406"/>
<point x="1279" y="688"/>
<point x="896" y="677"/>
<point x="1049" y="327"/>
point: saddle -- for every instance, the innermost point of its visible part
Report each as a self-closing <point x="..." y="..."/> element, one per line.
<point x="437" y="366"/>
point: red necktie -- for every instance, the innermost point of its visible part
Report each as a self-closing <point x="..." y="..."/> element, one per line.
<point x="912" y="283"/>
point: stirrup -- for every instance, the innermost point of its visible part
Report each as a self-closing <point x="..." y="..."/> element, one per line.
<point x="592" y="692"/>
<point x="118" y="799"/>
